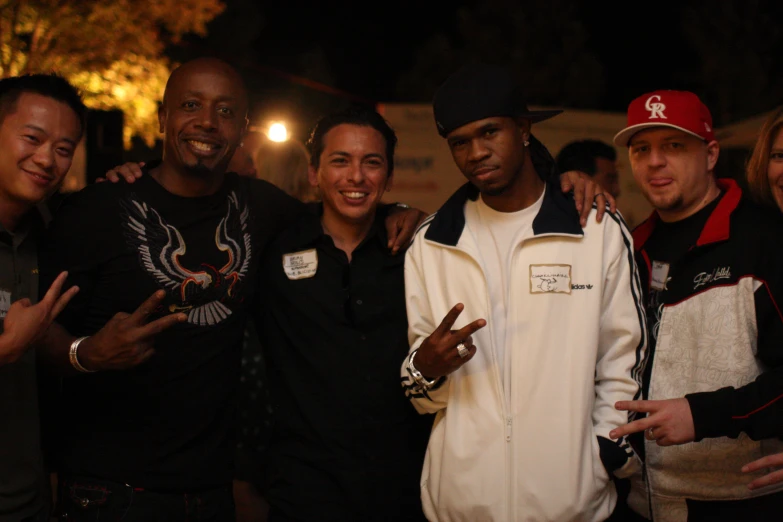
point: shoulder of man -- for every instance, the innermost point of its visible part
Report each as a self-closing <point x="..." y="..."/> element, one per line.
<point x="757" y="228"/>
<point x="96" y="197"/>
<point x="612" y="222"/>
<point x="264" y="194"/>
<point x="423" y="227"/>
<point x="756" y="218"/>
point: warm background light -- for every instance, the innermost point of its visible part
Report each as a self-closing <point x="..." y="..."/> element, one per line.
<point x="278" y="132"/>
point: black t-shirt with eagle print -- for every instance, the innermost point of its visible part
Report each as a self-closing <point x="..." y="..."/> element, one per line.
<point x="167" y="424"/>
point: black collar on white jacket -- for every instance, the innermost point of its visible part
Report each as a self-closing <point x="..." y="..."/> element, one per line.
<point x="557" y="215"/>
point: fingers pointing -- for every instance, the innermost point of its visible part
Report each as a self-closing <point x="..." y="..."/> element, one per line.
<point x="147" y="307"/>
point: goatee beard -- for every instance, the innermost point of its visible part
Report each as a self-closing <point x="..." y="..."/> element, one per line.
<point x="199" y="170"/>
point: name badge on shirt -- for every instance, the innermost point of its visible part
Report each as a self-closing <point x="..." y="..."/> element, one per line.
<point x="550" y="279"/>
<point x="300" y="265"/>
<point x="659" y="276"/>
<point x="5" y="302"/>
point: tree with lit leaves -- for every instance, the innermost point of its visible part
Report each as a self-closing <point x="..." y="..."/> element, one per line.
<point x="112" y="50"/>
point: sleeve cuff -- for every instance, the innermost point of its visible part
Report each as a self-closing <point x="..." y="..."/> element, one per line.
<point x="711" y="413"/>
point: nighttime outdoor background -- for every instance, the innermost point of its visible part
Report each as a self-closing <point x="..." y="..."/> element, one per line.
<point x="303" y="59"/>
<point x="596" y="55"/>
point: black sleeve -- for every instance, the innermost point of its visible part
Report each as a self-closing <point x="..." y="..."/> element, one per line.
<point x="756" y="408"/>
<point x="76" y="241"/>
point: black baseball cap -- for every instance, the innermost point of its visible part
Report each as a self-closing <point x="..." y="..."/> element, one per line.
<point x="479" y="91"/>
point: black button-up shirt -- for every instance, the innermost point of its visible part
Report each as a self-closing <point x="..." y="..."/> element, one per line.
<point x="21" y="465"/>
<point x="346" y="443"/>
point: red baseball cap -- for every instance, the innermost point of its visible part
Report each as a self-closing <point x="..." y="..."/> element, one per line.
<point x="681" y="110"/>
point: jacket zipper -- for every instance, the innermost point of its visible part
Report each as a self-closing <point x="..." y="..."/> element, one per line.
<point x="500" y="388"/>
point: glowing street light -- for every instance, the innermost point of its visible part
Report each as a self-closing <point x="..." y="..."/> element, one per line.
<point x="277" y="132"/>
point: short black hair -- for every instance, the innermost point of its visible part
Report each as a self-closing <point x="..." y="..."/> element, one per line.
<point x="354" y="115"/>
<point x="49" y="85"/>
<point x="580" y="155"/>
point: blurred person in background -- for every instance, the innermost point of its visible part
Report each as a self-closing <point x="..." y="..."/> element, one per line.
<point x="284" y="164"/>
<point x="764" y="170"/>
<point x="764" y="173"/>
<point x="596" y="159"/>
<point x="242" y="163"/>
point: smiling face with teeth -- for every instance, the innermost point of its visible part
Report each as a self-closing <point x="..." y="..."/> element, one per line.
<point x="37" y="140"/>
<point x="352" y="173"/>
<point x="203" y="117"/>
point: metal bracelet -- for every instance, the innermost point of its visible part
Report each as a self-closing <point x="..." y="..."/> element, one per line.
<point x="417" y="376"/>
<point x="73" y="357"/>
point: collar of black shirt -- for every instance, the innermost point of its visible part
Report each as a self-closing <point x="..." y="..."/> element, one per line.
<point x="310" y="230"/>
<point x="36" y="219"/>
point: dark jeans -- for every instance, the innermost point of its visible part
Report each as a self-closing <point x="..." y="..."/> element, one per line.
<point x="94" y="500"/>
<point x="41" y="516"/>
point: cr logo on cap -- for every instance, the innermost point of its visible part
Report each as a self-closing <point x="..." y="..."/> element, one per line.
<point x="656" y="109"/>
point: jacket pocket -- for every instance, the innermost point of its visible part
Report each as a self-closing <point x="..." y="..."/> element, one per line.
<point x="613" y="456"/>
<point x="600" y="471"/>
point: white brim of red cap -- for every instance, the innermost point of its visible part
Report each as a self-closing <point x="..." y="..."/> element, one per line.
<point x="622" y="138"/>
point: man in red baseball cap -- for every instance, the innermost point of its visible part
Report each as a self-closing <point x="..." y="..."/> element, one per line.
<point x="710" y="263"/>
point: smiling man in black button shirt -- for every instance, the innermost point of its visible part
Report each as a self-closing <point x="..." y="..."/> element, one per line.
<point x="346" y="444"/>
<point x="41" y="121"/>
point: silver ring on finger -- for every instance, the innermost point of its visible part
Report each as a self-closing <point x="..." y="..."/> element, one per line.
<point x="462" y="350"/>
<point x="650" y="434"/>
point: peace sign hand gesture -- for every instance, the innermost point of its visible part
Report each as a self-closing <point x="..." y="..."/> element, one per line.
<point x="445" y="350"/>
<point x="25" y="322"/>
<point x="127" y="339"/>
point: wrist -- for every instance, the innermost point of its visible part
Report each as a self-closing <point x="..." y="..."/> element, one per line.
<point x="10" y="349"/>
<point x="424" y="382"/>
<point x="423" y="366"/>
<point x="80" y="355"/>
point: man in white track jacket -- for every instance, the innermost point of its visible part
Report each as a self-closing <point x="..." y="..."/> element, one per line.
<point x="524" y="327"/>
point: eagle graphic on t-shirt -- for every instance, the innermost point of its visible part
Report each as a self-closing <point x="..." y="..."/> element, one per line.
<point x="203" y="292"/>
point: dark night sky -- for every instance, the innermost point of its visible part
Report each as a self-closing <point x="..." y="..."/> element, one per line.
<point x="369" y="47"/>
<point x="365" y="47"/>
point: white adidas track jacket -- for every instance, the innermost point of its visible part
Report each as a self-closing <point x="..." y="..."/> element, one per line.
<point x="529" y="450"/>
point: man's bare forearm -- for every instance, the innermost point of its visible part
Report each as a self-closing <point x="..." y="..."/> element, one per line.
<point x="53" y="348"/>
